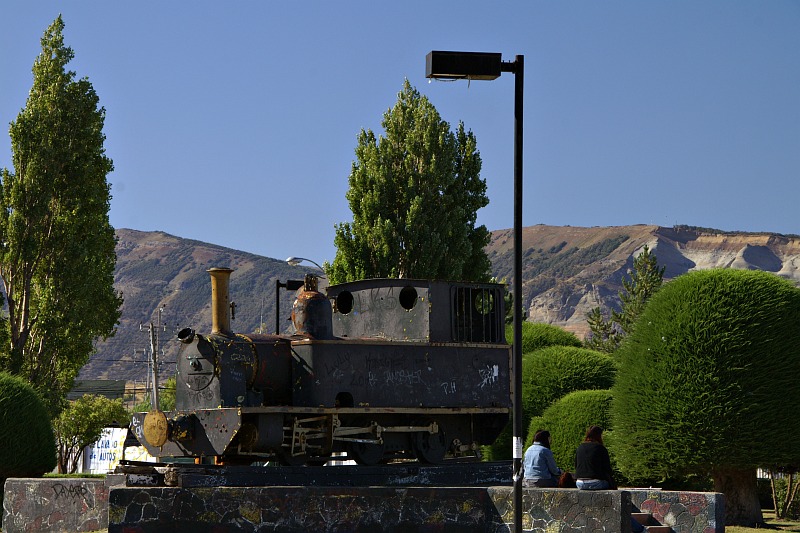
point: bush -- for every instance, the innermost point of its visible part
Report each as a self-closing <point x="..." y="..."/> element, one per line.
<point x="553" y="372"/>
<point x="27" y="444"/>
<point x="712" y="359"/>
<point x="569" y="417"/>
<point x="792" y="512"/>
<point x="536" y="336"/>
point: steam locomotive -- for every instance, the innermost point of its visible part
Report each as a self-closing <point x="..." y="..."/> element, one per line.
<point x="376" y="370"/>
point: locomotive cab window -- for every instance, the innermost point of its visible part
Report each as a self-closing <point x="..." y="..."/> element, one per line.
<point x="476" y="316"/>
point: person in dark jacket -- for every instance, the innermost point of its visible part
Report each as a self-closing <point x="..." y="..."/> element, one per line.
<point x="593" y="467"/>
<point x="592" y="463"/>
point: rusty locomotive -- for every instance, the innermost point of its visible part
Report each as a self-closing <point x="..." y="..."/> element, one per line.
<point x="377" y="370"/>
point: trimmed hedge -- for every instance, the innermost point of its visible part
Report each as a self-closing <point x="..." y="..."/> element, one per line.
<point x="27" y="444"/>
<point x="536" y="336"/>
<point x="551" y="373"/>
<point x="567" y="420"/>
<point x="708" y="377"/>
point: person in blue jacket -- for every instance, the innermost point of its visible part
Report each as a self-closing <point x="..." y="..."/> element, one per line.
<point x="538" y="463"/>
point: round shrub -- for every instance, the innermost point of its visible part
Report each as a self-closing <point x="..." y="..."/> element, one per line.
<point x="568" y="418"/>
<point x="708" y="378"/>
<point x="536" y="335"/>
<point x="536" y="423"/>
<point x="27" y="444"/>
<point x="552" y="372"/>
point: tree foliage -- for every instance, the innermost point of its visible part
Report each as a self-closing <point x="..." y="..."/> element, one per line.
<point x="414" y="194"/>
<point x="708" y="379"/>
<point x="645" y="279"/>
<point x="27" y="446"/>
<point x="81" y="423"/>
<point x="166" y="398"/>
<point x="57" y="251"/>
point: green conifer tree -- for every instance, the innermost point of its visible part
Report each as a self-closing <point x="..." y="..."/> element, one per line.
<point x="645" y="279"/>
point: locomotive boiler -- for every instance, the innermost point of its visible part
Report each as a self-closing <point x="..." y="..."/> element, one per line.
<point x="377" y="369"/>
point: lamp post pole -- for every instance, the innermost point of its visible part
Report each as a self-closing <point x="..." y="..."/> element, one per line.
<point x="517" y="348"/>
<point x="488" y="66"/>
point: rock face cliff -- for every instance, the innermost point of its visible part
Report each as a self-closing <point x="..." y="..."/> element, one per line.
<point x="570" y="270"/>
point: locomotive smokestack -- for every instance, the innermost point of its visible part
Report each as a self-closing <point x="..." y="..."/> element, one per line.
<point x="220" y="301"/>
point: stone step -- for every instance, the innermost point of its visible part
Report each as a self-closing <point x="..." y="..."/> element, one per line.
<point x="658" y="529"/>
<point x="645" y="519"/>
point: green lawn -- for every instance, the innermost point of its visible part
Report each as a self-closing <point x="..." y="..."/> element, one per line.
<point x="769" y="516"/>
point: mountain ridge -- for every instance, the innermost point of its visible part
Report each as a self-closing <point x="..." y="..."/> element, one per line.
<point x="567" y="271"/>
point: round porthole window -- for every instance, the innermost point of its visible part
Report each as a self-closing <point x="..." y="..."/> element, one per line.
<point x="408" y="298"/>
<point x="344" y="302"/>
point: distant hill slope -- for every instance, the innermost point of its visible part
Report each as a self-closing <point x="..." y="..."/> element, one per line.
<point x="567" y="271"/>
<point x="156" y="270"/>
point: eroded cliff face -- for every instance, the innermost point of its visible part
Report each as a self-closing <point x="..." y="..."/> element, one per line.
<point x="568" y="272"/>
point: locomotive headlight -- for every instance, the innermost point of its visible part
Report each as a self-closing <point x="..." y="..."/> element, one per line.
<point x="156" y="428"/>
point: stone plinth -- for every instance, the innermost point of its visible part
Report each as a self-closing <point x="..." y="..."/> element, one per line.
<point x="302" y="510"/>
<point x="82" y="505"/>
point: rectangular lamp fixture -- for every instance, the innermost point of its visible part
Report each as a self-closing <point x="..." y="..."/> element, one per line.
<point x="463" y="65"/>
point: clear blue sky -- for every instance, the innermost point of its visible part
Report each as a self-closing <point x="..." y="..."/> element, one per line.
<point x="235" y="123"/>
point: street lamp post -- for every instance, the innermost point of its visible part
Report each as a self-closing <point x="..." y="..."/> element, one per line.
<point x="291" y="285"/>
<point x="489" y="66"/>
<point x="294" y="261"/>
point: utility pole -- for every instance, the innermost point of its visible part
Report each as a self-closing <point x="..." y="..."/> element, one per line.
<point x="152" y="374"/>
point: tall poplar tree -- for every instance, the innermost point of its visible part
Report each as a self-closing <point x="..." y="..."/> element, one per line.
<point x="57" y="247"/>
<point x="414" y="194"/>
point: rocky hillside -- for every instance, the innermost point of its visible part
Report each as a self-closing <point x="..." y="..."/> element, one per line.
<point x="156" y="271"/>
<point x="567" y="271"/>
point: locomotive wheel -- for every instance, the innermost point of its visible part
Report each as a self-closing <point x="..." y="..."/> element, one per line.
<point x="366" y="453"/>
<point x="317" y="461"/>
<point x="287" y="459"/>
<point x="429" y="448"/>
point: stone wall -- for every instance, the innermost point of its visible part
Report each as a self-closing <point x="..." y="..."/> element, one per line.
<point x="684" y="512"/>
<point x="566" y="510"/>
<point x="55" y="505"/>
<point x="82" y="505"/>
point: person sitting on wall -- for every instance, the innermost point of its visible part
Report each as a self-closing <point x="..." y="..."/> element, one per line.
<point x="593" y="467"/>
<point x="592" y="463"/>
<point x="538" y="464"/>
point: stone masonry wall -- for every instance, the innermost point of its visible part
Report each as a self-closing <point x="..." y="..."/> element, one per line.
<point x="55" y="505"/>
<point x="80" y="505"/>
<point x="684" y="512"/>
